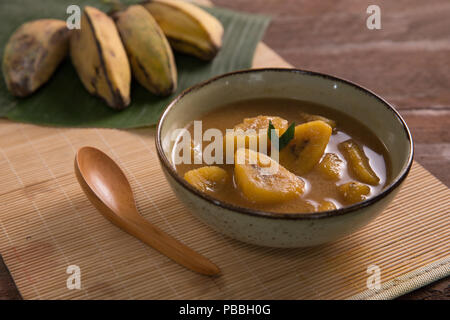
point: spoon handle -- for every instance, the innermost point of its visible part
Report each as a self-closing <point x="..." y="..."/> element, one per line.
<point x="169" y="246"/>
<point x="133" y="223"/>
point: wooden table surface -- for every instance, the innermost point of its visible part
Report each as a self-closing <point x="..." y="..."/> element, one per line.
<point x="407" y="62"/>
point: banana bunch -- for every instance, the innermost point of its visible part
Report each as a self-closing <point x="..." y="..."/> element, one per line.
<point x="190" y="30"/>
<point x="33" y="53"/>
<point x="100" y="58"/>
<point x="149" y="51"/>
<point x="108" y="49"/>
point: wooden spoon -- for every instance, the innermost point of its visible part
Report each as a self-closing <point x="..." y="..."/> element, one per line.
<point x="107" y="187"/>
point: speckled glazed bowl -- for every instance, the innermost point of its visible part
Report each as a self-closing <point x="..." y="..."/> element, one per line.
<point x="275" y="229"/>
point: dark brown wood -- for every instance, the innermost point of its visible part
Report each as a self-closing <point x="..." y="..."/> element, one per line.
<point x="439" y="290"/>
<point x="8" y="289"/>
<point x="406" y="62"/>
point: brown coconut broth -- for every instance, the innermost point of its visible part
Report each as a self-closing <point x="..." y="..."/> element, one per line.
<point x="317" y="187"/>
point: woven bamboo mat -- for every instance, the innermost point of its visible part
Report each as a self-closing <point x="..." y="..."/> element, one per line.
<point x="47" y="224"/>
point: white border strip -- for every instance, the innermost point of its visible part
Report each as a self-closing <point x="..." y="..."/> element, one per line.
<point x="407" y="282"/>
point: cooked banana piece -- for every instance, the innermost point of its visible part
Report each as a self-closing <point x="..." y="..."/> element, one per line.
<point x="260" y="187"/>
<point x="331" y="166"/>
<point x="326" y="206"/>
<point x="262" y="122"/>
<point x="306" y="148"/>
<point x="33" y="53"/>
<point x="358" y="163"/>
<point x="307" y="117"/>
<point x="150" y="55"/>
<point x="240" y="138"/>
<point x="100" y="58"/>
<point x="207" y="179"/>
<point x="190" y="29"/>
<point x="354" y="192"/>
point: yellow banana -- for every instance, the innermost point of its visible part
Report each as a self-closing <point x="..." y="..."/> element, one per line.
<point x="188" y="28"/>
<point x="207" y="179"/>
<point x="258" y="187"/>
<point x="150" y="55"/>
<point x="307" y="117"/>
<point x="33" y="53"/>
<point x="331" y="166"/>
<point x="326" y="205"/>
<point x="240" y="137"/>
<point x="358" y="162"/>
<point x="307" y="147"/>
<point x="262" y="122"/>
<point x="353" y="192"/>
<point x="100" y="58"/>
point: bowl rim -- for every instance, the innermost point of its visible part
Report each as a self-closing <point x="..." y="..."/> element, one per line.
<point x="277" y="215"/>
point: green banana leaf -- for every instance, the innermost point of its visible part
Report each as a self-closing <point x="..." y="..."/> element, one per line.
<point x="63" y="101"/>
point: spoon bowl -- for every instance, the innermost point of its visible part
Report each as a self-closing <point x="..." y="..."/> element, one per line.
<point x="108" y="189"/>
<point x="107" y="181"/>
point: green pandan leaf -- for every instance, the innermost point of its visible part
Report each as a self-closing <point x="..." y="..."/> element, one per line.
<point x="285" y="138"/>
<point x="63" y="101"/>
<point x="270" y="130"/>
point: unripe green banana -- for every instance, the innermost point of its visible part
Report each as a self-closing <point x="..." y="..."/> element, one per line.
<point x="33" y="53"/>
<point x="100" y="58"/>
<point x="148" y="50"/>
<point x="188" y="28"/>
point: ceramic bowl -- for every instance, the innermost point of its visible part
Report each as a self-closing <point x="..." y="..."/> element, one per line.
<point x="275" y="229"/>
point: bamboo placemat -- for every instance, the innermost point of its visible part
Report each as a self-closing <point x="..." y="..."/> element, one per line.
<point x="47" y="224"/>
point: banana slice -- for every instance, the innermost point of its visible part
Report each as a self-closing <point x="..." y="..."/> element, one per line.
<point x="260" y="187"/>
<point x="307" y="147"/>
<point x="354" y="192"/>
<point x="326" y="206"/>
<point x="307" y="117"/>
<point x="207" y="179"/>
<point x="240" y="138"/>
<point x="150" y="55"/>
<point x="100" y="58"/>
<point x="331" y="166"/>
<point x="262" y="122"/>
<point x="33" y="53"/>
<point x="190" y="30"/>
<point x="358" y="163"/>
